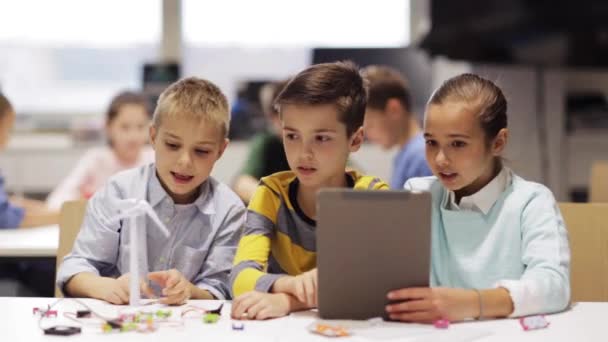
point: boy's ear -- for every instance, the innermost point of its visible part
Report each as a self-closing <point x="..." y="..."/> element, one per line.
<point x="356" y="140"/>
<point x="223" y="146"/>
<point x="152" y="135"/>
<point x="393" y="108"/>
<point x="500" y="142"/>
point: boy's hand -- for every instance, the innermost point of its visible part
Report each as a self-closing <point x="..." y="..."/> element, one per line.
<point x="426" y="305"/>
<point x="111" y="290"/>
<point x="259" y="305"/>
<point x="174" y="286"/>
<point x="116" y="291"/>
<point x="143" y="286"/>
<point x="304" y="288"/>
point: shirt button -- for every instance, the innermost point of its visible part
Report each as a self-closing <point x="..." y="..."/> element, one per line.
<point x="167" y="219"/>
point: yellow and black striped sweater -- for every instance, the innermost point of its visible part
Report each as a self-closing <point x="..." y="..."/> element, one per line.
<point x="278" y="237"/>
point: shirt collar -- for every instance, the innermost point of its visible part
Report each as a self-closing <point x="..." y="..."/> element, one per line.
<point x="484" y="199"/>
<point x="157" y="194"/>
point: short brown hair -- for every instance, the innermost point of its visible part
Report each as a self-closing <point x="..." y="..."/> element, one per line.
<point x="194" y="98"/>
<point x="485" y="98"/>
<point x="122" y="99"/>
<point x="338" y="83"/>
<point x="5" y="106"/>
<point x="386" y="83"/>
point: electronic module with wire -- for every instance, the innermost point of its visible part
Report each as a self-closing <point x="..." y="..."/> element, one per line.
<point x="62" y="330"/>
<point x="143" y="321"/>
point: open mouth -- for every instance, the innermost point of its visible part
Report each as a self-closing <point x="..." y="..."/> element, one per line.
<point x="305" y="170"/>
<point x="181" y="178"/>
<point x="448" y="176"/>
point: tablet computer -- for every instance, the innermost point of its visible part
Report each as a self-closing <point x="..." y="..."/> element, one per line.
<point x="368" y="243"/>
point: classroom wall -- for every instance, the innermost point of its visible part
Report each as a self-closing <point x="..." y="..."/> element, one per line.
<point x="583" y="147"/>
<point x="229" y="66"/>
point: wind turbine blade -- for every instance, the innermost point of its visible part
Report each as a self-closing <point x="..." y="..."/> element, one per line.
<point x="152" y="214"/>
<point x="131" y="212"/>
<point x="134" y="208"/>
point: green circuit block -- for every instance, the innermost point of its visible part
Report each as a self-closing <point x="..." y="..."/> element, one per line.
<point x="211" y="318"/>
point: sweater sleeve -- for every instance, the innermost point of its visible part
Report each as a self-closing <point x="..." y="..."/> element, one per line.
<point x="544" y="286"/>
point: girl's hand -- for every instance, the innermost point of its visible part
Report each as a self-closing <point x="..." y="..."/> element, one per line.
<point x="426" y="305"/>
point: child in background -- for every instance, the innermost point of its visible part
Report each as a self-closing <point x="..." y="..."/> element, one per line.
<point x="266" y="154"/>
<point x="321" y="111"/>
<point x="37" y="276"/>
<point x="127" y="124"/>
<point x="18" y="212"/>
<point x="390" y="122"/>
<point x="189" y="134"/>
<point x="499" y="244"/>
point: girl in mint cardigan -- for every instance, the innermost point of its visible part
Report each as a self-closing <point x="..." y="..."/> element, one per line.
<point x="499" y="243"/>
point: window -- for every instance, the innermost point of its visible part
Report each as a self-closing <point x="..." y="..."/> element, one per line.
<point x="231" y="41"/>
<point x="311" y="23"/>
<point x="70" y="56"/>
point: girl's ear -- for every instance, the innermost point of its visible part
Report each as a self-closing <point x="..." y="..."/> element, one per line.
<point x="152" y="135"/>
<point x="356" y="140"/>
<point x="500" y="142"/>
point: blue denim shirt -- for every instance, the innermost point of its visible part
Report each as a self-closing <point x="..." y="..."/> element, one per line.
<point x="410" y="162"/>
<point x="202" y="242"/>
<point x="10" y="216"/>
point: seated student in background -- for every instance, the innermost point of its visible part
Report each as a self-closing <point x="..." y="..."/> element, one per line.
<point x="266" y="154"/>
<point x="127" y="125"/>
<point x="37" y="276"/>
<point x="18" y="212"/>
<point x="204" y="216"/>
<point x="499" y="244"/>
<point x="390" y="122"/>
<point x="321" y="110"/>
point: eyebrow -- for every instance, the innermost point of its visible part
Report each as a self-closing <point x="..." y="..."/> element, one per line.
<point x="202" y="142"/>
<point x="453" y="135"/>
<point x="320" y="130"/>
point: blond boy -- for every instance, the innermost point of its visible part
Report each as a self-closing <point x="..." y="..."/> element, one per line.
<point x="188" y="134"/>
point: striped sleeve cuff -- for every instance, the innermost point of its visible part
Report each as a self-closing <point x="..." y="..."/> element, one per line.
<point x="265" y="282"/>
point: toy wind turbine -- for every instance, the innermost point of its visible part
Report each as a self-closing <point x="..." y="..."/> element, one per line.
<point x="130" y="209"/>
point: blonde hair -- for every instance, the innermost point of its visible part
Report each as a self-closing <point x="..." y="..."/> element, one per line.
<point x="193" y="98"/>
<point x="5" y="106"/>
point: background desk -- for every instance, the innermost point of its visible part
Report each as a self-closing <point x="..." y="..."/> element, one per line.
<point x="584" y="322"/>
<point x="38" y="245"/>
<point x="39" y="242"/>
